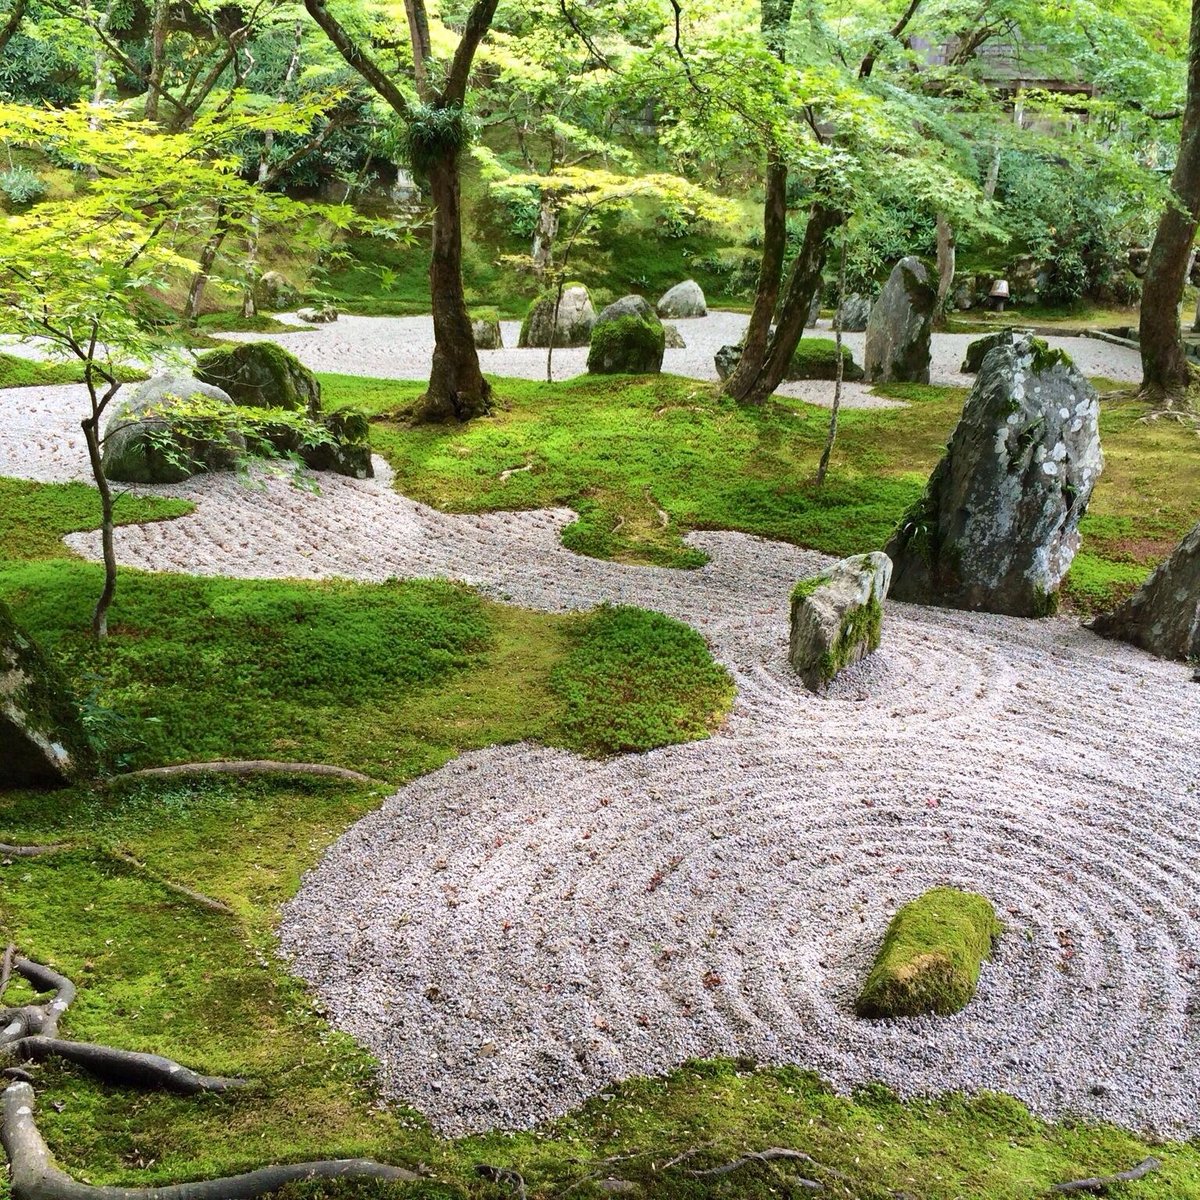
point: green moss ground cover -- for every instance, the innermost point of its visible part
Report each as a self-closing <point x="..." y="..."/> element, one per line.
<point x="17" y="372"/>
<point x="396" y="679"/>
<point x="645" y="461"/>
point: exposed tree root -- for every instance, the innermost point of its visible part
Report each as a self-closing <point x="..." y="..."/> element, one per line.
<point x="256" y="766"/>
<point x="179" y="889"/>
<point x="7" y="851"/>
<point x="36" y="1177"/>
<point x="1100" y="1182"/>
<point x="765" y="1156"/>
<point x="29" y="1034"/>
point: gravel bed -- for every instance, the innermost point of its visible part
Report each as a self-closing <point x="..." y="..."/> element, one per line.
<point x="513" y="932"/>
<point x="401" y="347"/>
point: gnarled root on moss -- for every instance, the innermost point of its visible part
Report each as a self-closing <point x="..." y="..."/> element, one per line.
<point x="29" y="1033"/>
<point x="36" y="1177"/>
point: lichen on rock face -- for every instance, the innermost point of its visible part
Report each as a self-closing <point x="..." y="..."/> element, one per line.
<point x="837" y="617"/>
<point x="998" y="524"/>
<point x="931" y="956"/>
<point x="573" y="326"/>
<point x="684" y="300"/>
<point x="900" y="326"/>
<point x="42" y="736"/>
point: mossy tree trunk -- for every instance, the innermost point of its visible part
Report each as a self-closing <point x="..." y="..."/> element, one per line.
<point x="91" y="435"/>
<point x="1164" y="364"/>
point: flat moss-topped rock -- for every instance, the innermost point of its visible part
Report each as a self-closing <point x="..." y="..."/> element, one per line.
<point x="42" y="739"/>
<point x="931" y="956"/>
<point x="627" y="339"/>
<point x="261" y="375"/>
<point x="814" y="358"/>
<point x="837" y="617"/>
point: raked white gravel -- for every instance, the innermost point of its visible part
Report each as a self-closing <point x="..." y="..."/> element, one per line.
<point x="514" y="932"/>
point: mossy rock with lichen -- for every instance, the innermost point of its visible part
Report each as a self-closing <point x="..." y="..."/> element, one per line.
<point x="261" y="375"/>
<point x="931" y="956"/>
<point x="42" y="734"/>
<point x="571" y="327"/>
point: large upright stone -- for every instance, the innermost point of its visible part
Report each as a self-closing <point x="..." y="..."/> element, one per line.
<point x="144" y="444"/>
<point x="627" y="339"/>
<point x="576" y="316"/>
<point x="900" y="326"/>
<point x="1163" y="615"/>
<point x="42" y="739"/>
<point x="998" y="524"/>
<point x="685" y="299"/>
<point x="837" y="617"/>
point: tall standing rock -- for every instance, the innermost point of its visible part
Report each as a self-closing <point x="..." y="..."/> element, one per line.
<point x="998" y="524"/>
<point x="42" y="738"/>
<point x="900" y="326"/>
<point x="573" y="326"/>
<point x="1163" y="615"/>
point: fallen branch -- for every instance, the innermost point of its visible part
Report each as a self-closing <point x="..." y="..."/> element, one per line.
<point x="764" y="1156"/>
<point x="171" y="886"/>
<point x="36" y="1177"/>
<point x="1098" y="1182"/>
<point x="7" y="851"/>
<point x="257" y="766"/>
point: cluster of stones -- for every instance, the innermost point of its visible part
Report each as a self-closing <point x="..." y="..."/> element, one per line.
<point x="253" y="375"/>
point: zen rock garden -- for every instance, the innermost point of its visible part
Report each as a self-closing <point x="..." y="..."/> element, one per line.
<point x="599" y="600"/>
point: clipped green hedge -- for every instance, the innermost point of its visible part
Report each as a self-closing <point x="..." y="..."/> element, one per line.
<point x="931" y="956"/>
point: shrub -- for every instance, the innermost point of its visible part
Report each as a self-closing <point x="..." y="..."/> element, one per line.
<point x="21" y="185"/>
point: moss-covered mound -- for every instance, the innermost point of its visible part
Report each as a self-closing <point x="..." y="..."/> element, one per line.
<point x="261" y="375"/>
<point x="627" y="339"/>
<point x="42" y="736"/>
<point x="931" y="956"/>
<point x="816" y="358"/>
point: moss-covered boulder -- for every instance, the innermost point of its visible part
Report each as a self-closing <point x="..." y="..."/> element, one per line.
<point x="573" y="326"/>
<point x="145" y="443"/>
<point x="837" y="617"/>
<point x="349" y="451"/>
<point x="323" y="314"/>
<point x="815" y="358"/>
<point x="261" y="375"/>
<point x="627" y="339"/>
<point x="42" y="739"/>
<point x="931" y="956"/>
<point x="485" y="329"/>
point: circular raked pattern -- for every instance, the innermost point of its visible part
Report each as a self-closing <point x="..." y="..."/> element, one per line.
<point x="514" y="932"/>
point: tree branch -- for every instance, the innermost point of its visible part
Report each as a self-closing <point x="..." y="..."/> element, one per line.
<point x="897" y="31"/>
<point x="357" y="58"/>
<point x="478" y="22"/>
<point x="13" y="23"/>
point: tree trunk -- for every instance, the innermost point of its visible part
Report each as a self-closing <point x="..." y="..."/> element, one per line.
<point x="91" y="434"/>
<point x="208" y="256"/>
<point x="457" y="389"/>
<point x="1164" y="364"/>
<point x="770" y="277"/>
<point x="544" y="234"/>
<point x="158" y="46"/>
<point x="803" y="282"/>
<point x="839" y="379"/>
<point x="946" y="258"/>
